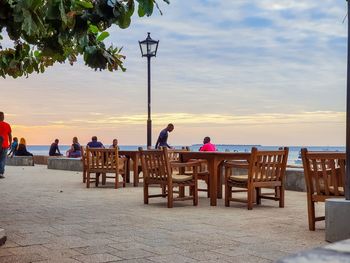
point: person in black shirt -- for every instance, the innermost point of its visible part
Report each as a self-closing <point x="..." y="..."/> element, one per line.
<point x="163" y="137"/>
<point x="22" y="149"/>
<point x="54" y="150"/>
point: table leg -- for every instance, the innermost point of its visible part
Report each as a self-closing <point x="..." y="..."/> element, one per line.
<point x="127" y="179"/>
<point x="212" y="167"/>
<point x="219" y="176"/>
<point x="136" y="170"/>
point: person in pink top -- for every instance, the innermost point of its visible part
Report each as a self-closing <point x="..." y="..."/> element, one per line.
<point x="207" y="146"/>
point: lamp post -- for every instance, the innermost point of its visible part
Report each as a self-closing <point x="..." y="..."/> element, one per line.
<point x="149" y="49"/>
<point x="347" y="177"/>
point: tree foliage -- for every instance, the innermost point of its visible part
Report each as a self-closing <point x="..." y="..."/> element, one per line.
<point x="44" y="32"/>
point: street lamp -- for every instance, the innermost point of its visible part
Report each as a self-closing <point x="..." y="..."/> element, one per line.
<point x="149" y="49"/>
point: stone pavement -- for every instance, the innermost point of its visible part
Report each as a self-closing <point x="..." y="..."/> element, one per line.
<point x="49" y="216"/>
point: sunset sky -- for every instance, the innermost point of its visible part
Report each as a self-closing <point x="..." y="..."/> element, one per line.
<point x="242" y="72"/>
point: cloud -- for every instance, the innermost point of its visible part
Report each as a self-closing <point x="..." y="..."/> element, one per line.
<point x="275" y="61"/>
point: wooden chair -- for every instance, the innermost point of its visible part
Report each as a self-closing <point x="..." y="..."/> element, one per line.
<point x="103" y="161"/>
<point x="157" y="169"/>
<point x="266" y="169"/>
<point x="324" y="176"/>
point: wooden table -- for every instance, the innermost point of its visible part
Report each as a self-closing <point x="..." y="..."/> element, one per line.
<point x="134" y="155"/>
<point x="214" y="160"/>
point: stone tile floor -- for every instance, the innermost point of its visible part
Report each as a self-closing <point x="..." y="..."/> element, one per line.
<point x="49" y="216"/>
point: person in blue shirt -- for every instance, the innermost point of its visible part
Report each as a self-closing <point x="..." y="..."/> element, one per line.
<point x="94" y="143"/>
<point x="163" y="137"/>
<point x="14" y="146"/>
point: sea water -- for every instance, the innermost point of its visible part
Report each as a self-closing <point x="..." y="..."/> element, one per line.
<point x="293" y="157"/>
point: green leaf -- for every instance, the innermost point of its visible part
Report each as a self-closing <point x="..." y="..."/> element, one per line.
<point x="93" y="29"/>
<point x="85" y="4"/>
<point x="63" y="13"/>
<point x="102" y="36"/>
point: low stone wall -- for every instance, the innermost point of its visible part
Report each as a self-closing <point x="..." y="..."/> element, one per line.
<point x="64" y="163"/>
<point x="20" y="161"/>
<point x="40" y="159"/>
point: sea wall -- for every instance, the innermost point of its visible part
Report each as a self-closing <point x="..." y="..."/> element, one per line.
<point x="40" y="159"/>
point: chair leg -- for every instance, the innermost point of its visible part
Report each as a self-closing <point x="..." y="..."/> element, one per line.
<point x="195" y="193"/>
<point x="170" y="196"/>
<point x="103" y="179"/>
<point x="311" y="213"/>
<point x="281" y="196"/>
<point x="250" y="198"/>
<point x="124" y="179"/>
<point x="145" y="193"/>
<point x="163" y="191"/>
<point x="228" y="194"/>
<point x="97" y="181"/>
<point x="116" y="181"/>
<point x="84" y="176"/>
<point x="208" y="189"/>
<point x="258" y="195"/>
<point x="87" y="180"/>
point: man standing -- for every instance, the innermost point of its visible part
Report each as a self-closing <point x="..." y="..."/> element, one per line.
<point x="6" y="138"/>
<point x="54" y="150"/>
<point x="163" y="137"/>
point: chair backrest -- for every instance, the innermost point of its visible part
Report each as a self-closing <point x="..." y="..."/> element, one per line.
<point x="324" y="172"/>
<point x="155" y="164"/>
<point x="267" y="166"/>
<point x="102" y="160"/>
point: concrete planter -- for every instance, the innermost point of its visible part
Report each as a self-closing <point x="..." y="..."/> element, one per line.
<point x="20" y="161"/>
<point x="63" y="163"/>
<point x="337" y="219"/>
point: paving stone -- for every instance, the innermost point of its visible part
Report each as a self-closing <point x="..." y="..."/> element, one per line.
<point x="97" y="258"/>
<point x="133" y="253"/>
<point x="54" y="218"/>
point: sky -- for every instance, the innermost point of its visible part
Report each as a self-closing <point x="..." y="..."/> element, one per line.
<point x="242" y="72"/>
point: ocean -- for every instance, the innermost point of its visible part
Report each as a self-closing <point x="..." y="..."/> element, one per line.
<point x="293" y="158"/>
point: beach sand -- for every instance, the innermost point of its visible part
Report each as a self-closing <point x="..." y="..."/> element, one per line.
<point x="49" y="216"/>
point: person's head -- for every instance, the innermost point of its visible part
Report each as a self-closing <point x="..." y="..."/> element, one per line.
<point x="57" y="141"/>
<point x="15" y="139"/>
<point x="2" y="116"/>
<point x="75" y="139"/>
<point x="94" y="138"/>
<point x="115" y="142"/>
<point x="22" y="141"/>
<point x="206" y="140"/>
<point x="170" y="127"/>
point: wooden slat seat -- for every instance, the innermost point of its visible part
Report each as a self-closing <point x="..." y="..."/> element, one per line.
<point x="266" y="169"/>
<point x="157" y="169"/>
<point x="324" y="177"/>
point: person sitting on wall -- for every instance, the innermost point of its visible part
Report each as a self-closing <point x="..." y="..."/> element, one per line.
<point x="13" y="147"/>
<point x="54" y="150"/>
<point x="207" y="146"/>
<point x="114" y="144"/>
<point x="75" y="149"/>
<point x="22" y="148"/>
<point x="94" y="143"/>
